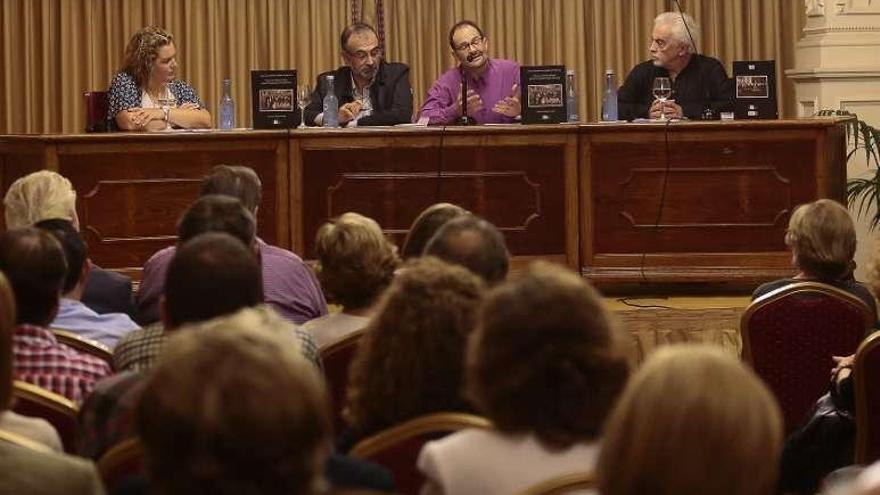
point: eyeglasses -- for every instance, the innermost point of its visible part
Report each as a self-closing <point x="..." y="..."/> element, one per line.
<point x="362" y="55"/>
<point x="474" y="43"/>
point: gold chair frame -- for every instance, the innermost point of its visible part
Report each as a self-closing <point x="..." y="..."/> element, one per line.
<point x="84" y="345"/>
<point x="562" y="484"/>
<point x="444" y="421"/>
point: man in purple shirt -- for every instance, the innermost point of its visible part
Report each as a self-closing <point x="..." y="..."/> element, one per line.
<point x="493" y="84"/>
<point x="289" y="285"/>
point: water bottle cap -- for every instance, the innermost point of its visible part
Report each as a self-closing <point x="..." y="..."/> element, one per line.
<point x="609" y="72"/>
<point x="569" y="72"/>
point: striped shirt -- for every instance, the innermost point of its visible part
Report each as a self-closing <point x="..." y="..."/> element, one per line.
<point x="41" y="360"/>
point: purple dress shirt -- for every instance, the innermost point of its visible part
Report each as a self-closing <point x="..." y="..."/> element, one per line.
<point x="288" y="285"/>
<point x="441" y="106"/>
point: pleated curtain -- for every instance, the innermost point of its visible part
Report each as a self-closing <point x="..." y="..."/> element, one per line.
<point x="53" y="50"/>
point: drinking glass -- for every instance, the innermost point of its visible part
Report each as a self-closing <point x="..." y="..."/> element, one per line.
<point x="303" y="98"/>
<point x="662" y="92"/>
<point x="167" y="104"/>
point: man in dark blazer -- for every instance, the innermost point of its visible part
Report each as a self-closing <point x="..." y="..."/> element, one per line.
<point x="370" y="90"/>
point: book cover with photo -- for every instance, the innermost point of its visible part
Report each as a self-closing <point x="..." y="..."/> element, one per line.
<point x="543" y="94"/>
<point x="755" y="85"/>
<point x="273" y="99"/>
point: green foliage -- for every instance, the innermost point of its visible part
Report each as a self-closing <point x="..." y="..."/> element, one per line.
<point x="862" y="194"/>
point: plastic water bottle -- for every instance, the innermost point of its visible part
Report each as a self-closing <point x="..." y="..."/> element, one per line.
<point x="227" y="106"/>
<point x="609" y="98"/>
<point x="571" y="99"/>
<point x="331" y="105"/>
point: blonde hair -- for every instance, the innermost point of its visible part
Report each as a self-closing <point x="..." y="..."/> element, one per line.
<point x="142" y="51"/>
<point x="692" y="420"/>
<point x="355" y="260"/>
<point x="233" y="408"/>
<point x="823" y="238"/>
<point x="676" y="21"/>
<point x="42" y="195"/>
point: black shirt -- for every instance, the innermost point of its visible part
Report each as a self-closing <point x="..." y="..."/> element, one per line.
<point x="702" y="84"/>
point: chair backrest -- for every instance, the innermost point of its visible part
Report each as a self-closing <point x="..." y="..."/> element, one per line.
<point x="866" y="381"/>
<point x="59" y="411"/>
<point x="563" y="484"/>
<point x="97" y="104"/>
<point x="21" y="441"/>
<point x="336" y="358"/>
<point x="789" y="336"/>
<point x="84" y="345"/>
<point x="397" y="448"/>
<point x="120" y="462"/>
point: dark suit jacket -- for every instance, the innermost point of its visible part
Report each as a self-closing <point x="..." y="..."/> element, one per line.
<point x="108" y="292"/>
<point x="391" y="95"/>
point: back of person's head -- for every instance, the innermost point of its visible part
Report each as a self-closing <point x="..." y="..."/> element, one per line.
<point x="217" y="213"/>
<point x="211" y="275"/>
<point x="39" y="196"/>
<point x="692" y="421"/>
<point x="356" y="261"/>
<point x="237" y="181"/>
<point x="7" y="326"/>
<point x="823" y="238"/>
<point x="75" y="251"/>
<point x="426" y="225"/>
<point x="233" y="409"/>
<point x="410" y="360"/>
<point x="33" y="261"/>
<point x="473" y="243"/>
<point x="546" y="327"/>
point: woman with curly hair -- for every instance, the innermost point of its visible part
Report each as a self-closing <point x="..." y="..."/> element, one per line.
<point x="411" y="358"/>
<point x="145" y="95"/>
<point x="545" y="365"/>
<point x="355" y="264"/>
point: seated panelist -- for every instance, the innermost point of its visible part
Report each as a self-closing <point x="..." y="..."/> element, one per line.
<point x="493" y="84"/>
<point x="370" y="91"/>
<point x="145" y="96"/>
<point x="699" y="83"/>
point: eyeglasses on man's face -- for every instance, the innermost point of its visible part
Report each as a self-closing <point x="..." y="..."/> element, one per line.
<point x="363" y="54"/>
<point x="475" y="43"/>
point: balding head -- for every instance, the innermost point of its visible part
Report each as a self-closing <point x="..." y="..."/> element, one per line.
<point x="473" y="243"/>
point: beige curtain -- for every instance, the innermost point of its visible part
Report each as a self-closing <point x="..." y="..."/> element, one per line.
<point x="53" y="50"/>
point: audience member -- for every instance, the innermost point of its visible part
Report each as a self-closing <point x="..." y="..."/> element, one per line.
<point x="473" y="243"/>
<point x="822" y="239"/>
<point x="210" y="276"/>
<point x="45" y="195"/>
<point x="259" y="425"/>
<point x="36" y="429"/>
<point x="545" y="366"/>
<point x="73" y="315"/>
<point x="411" y="358"/>
<point x="691" y="421"/>
<point x="34" y="263"/>
<point x="288" y="284"/>
<point x="426" y="225"/>
<point x="356" y="263"/>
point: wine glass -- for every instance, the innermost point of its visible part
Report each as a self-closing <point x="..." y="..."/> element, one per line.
<point x="303" y="98"/>
<point x="166" y="103"/>
<point x="662" y="92"/>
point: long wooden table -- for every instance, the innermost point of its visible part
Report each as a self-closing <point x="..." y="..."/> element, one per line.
<point x="624" y="203"/>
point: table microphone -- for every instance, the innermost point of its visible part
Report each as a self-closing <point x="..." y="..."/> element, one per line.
<point x="464" y="119"/>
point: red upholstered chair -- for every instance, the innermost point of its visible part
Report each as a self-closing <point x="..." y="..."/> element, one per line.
<point x="122" y="461"/>
<point x="336" y="358"/>
<point x="397" y="448"/>
<point x="97" y="105"/>
<point x="59" y="411"/>
<point x="790" y="335"/>
<point x="866" y="376"/>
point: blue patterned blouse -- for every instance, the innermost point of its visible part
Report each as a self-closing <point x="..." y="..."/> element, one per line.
<point x="124" y="93"/>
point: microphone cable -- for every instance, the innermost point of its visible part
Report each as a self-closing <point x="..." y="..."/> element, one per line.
<point x="663" y="188"/>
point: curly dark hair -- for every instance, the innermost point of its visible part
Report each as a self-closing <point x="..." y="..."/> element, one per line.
<point x="411" y="358"/>
<point x="356" y="261"/>
<point x="142" y="51"/>
<point x="545" y="358"/>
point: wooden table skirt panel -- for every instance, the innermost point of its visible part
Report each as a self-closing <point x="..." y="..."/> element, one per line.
<point x="588" y="196"/>
<point x="521" y="183"/>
